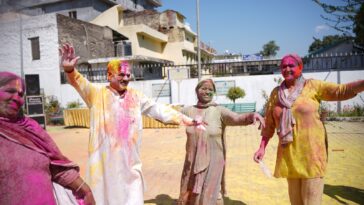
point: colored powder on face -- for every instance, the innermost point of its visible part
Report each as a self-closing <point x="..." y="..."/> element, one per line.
<point x="113" y="67"/>
<point x="296" y="70"/>
<point x="296" y="58"/>
<point x="125" y="67"/>
<point x="19" y="86"/>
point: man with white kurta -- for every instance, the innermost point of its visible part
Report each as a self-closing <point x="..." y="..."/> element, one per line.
<point x="114" y="166"/>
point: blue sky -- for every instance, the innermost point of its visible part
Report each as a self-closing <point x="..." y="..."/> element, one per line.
<point x="244" y="26"/>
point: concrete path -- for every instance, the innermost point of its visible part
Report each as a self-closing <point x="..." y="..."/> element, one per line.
<point x="163" y="155"/>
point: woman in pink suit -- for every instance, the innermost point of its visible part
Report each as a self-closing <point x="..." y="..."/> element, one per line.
<point x="30" y="161"/>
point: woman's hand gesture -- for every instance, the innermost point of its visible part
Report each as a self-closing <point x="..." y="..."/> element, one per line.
<point x="257" y="117"/>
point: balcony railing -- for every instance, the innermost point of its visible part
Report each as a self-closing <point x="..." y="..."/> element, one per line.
<point x="344" y="62"/>
<point x="207" y="48"/>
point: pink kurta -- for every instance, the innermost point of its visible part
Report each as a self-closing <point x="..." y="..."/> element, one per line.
<point x="306" y="156"/>
<point x="114" y="167"/>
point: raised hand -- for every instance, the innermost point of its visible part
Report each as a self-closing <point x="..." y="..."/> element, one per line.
<point x="68" y="58"/>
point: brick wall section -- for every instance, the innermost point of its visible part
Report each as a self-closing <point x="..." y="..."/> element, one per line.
<point x="165" y="22"/>
<point x="98" y="39"/>
<point x="146" y="17"/>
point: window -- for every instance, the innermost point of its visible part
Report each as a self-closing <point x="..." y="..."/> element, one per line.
<point x="72" y="14"/>
<point x="34" y="43"/>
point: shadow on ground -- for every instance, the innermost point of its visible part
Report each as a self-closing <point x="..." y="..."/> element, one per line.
<point x="228" y="201"/>
<point x="353" y="194"/>
<point x="164" y="199"/>
<point x="71" y="127"/>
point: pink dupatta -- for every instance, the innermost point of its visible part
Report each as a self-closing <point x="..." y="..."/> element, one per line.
<point x="287" y="121"/>
<point x="27" y="132"/>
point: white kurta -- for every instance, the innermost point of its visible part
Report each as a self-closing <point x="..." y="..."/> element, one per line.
<point x="114" y="167"/>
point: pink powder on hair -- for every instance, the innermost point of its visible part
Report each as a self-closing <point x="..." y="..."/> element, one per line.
<point x="124" y="66"/>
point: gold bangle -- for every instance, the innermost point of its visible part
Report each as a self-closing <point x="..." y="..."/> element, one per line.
<point x="78" y="189"/>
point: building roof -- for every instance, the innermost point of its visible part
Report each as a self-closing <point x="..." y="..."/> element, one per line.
<point x="336" y="44"/>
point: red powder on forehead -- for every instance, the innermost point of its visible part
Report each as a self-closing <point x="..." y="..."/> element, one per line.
<point x="124" y="67"/>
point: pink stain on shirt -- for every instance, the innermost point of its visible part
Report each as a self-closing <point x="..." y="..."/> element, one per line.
<point x="126" y="118"/>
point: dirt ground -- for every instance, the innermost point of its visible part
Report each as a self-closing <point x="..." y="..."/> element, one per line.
<point x="163" y="153"/>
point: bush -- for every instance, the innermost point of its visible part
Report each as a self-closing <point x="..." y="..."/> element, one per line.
<point x="53" y="111"/>
<point x="52" y="105"/>
<point x="74" y="104"/>
<point x="352" y="111"/>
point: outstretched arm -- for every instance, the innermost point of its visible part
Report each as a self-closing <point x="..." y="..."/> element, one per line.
<point x="232" y="118"/>
<point x="167" y="114"/>
<point x="356" y="86"/>
<point x="329" y="91"/>
<point x="253" y="117"/>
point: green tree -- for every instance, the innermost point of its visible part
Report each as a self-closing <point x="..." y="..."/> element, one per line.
<point x="345" y="16"/>
<point x="270" y="49"/>
<point x="235" y="93"/>
<point x="326" y="41"/>
<point x="359" y="26"/>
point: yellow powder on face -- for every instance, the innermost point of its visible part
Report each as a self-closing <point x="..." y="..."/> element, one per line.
<point x="113" y="67"/>
<point x="118" y="66"/>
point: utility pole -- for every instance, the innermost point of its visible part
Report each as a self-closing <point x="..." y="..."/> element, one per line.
<point x="21" y="46"/>
<point x="198" y="39"/>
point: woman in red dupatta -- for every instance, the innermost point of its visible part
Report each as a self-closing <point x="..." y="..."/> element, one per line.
<point x="29" y="159"/>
